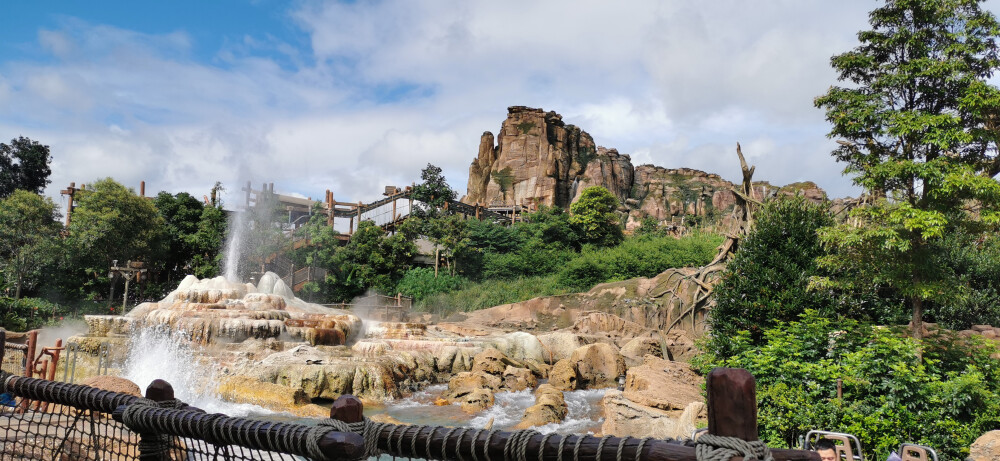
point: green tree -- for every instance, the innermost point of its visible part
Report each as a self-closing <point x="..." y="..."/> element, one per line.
<point x="24" y="165"/>
<point x="767" y="280"/>
<point x="432" y="193"/>
<point x="29" y="238"/>
<point x="206" y="243"/>
<point x="594" y="215"/>
<point x="915" y="126"/>
<point x="182" y="215"/>
<point x="370" y="260"/>
<point x="110" y="222"/>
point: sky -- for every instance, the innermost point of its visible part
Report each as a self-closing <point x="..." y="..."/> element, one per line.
<point x="353" y="96"/>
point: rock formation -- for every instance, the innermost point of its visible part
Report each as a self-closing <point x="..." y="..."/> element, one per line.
<point x="538" y="159"/>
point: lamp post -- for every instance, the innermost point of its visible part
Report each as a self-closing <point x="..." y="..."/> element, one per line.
<point x="131" y="270"/>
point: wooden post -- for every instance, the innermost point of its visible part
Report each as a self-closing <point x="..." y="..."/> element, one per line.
<point x="394" y="209"/>
<point x="142" y="189"/>
<point x="71" y="193"/>
<point x="732" y="403"/>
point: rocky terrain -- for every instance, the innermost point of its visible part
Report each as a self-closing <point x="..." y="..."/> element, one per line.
<point x="537" y="159"/>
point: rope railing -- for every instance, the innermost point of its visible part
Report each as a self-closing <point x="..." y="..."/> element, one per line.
<point x="160" y="427"/>
<point x="91" y="423"/>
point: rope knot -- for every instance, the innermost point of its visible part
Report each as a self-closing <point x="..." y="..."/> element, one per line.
<point x="717" y="448"/>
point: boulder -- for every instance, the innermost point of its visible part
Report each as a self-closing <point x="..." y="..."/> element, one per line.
<point x="550" y="407"/>
<point x="986" y="447"/>
<point x="637" y="348"/>
<point x="243" y="389"/>
<point x="518" y="379"/>
<point x="564" y="375"/>
<point x="113" y="384"/>
<point x="467" y="382"/>
<point x="491" y="361"/>
<point x="520" y="346"/>
<point x="560" y="345"/>
<point x="598" y="365"/>
<point x="625" y="418"/>
<point x="477" y="400"/>
<point x="663" y="384"/>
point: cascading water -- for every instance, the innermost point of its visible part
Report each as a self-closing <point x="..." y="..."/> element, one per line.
<point x="169" y="356"/>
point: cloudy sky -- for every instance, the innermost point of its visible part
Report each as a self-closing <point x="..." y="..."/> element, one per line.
<point x="353" y="96"/>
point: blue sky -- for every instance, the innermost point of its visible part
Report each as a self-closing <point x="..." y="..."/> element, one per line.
<point x="315" y="95"/>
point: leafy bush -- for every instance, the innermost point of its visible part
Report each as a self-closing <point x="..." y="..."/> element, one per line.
<point x="890" y="395"/>
<point x="643" y="256"/>
<point x="768" y="279"/>
<point x="475" y="296"/>
<point x="28" y="313"/>
<point x="420" y="283"/>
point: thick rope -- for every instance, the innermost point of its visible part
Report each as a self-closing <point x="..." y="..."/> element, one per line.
<point x="516" y="446"/>
<point x="717" y="448"/>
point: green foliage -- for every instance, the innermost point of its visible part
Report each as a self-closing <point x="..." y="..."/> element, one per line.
<point x="420" y="282"/>
<point x="194" y="235"/>
<point x="370" y="260"/>
<point x="28" y="313"/>
<point x="915" y="128"/>
<point x="975" y="263"/>
<point x="768" y="280"/>
<point x="432" y="193"/>
<point x="890" y="394"/>
<point x="491" y="293"/>
<point x="29" y="233"/>
<point x="595" y="218"/>
<point x="649" y="226"/>
<point x="24" y="165"/>
<point x="109" y="223"/>
<point x="643" y="256"/>
<point x="525" y="127"/>
<point x="504" y="179"/>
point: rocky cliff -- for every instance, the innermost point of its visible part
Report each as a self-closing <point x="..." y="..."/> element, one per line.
<point x="537" y="159"/>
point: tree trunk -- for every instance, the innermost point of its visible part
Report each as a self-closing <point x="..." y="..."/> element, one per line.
<point x="918" y="325"/>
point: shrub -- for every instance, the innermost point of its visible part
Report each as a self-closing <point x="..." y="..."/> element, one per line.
<point x="890" y="394"/>
<point x="420" y="283"/>
<point x="28" y="313"/>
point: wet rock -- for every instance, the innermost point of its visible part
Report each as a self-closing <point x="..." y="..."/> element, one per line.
<point x="663" y="384"/>
<point x="467" y="382"/>
<point x="564" y="375"/>
<point x="550" y="407"/>
<point x="491" y="361"/>
<point x="477" y="400"/>
<point x="598" y="365"/>
<point x="242" y="389"/>
<point x="622" y="418"/>
<point x="518" y="379"/>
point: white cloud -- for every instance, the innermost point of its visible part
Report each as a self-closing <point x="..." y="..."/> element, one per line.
<point x="670" y="83"/>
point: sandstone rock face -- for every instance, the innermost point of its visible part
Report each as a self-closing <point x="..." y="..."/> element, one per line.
<point x="518" y="379"/>
<point x="539" y="160"/>
<point x="564" y="375"/>
<point x="663" y="384"/>
<point x="560" y="345"/>
<point x="550" y="407"/>
<point x="986" y="447"/>
<point x="599" y="365"/>
<point x="622" y="418"/>
<point x="660" y="306"/>
<point x="536" y="160"/>
<point x="477" y="400"/>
